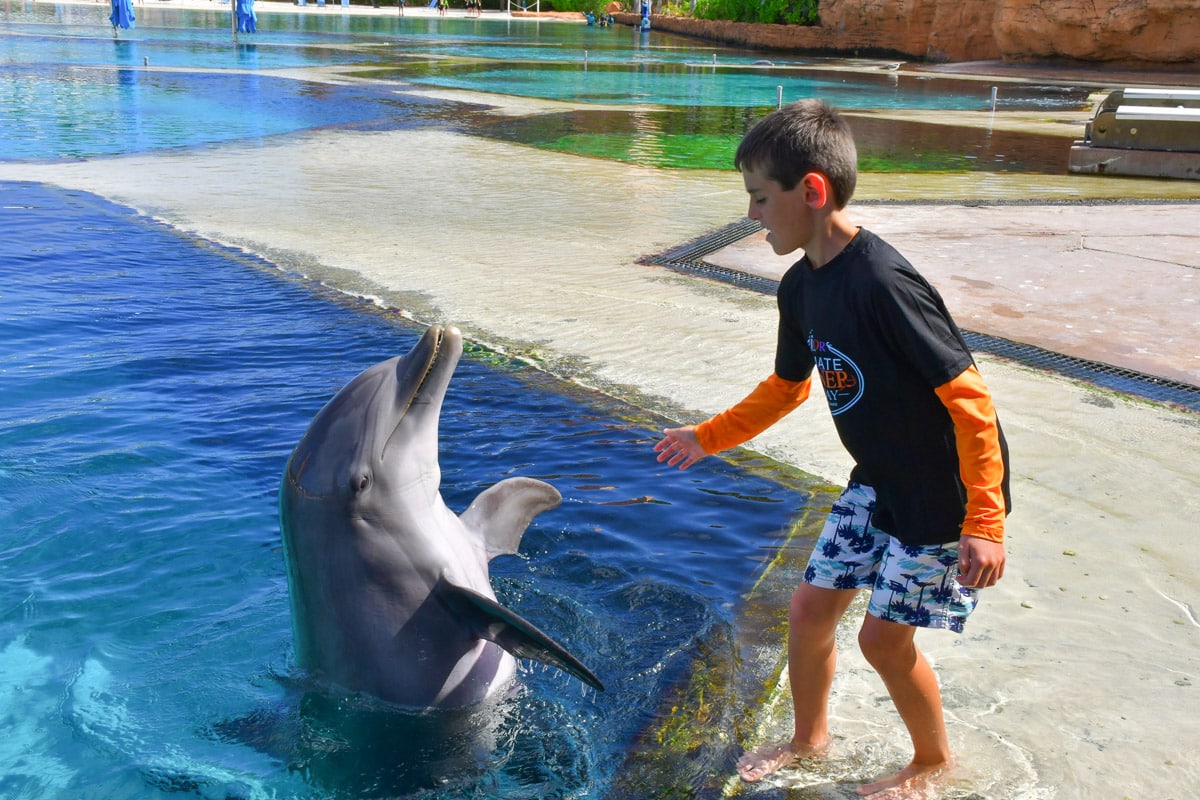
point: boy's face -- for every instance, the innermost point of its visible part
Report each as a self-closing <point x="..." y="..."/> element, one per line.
<point x="784" y="213"/>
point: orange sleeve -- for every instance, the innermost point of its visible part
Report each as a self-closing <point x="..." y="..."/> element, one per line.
<point x="981" y="464"/>
<point x="771" y="401"/>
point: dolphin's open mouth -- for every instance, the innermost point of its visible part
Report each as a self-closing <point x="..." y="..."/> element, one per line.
<point x="423" y="377"/>
<point x="424" y="374"/>
<point x="437" y="335"/>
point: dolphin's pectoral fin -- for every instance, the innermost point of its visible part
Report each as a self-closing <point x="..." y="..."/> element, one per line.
<point x="517" y="635"/>
<point x="502" y="512"/>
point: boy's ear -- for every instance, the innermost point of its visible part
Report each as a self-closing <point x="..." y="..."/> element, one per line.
<point x="817" y="191"/>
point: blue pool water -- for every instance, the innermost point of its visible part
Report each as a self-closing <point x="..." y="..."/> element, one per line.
<point x="153" y="387"/>
<point x="69" y="89"/>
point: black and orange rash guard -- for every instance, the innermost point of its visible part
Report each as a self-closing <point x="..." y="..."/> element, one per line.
<point x="907" y="400"/>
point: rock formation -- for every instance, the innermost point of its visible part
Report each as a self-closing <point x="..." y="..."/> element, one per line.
<point x="1126" y="32"/>
<point x="1152" y="31"/>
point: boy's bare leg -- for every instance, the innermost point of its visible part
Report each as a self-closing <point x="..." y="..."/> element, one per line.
<point x="890" y="649"/>
<point x="812" y="659"/>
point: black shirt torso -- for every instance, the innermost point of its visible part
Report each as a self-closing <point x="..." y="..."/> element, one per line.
<point x="880" y="339"/>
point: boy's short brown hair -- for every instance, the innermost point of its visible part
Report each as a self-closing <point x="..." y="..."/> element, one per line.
<point x="799" y="138"/>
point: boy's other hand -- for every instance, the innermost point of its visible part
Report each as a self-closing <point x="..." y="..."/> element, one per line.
<point x="980" y="562"/>
<point x="679" y="447"/>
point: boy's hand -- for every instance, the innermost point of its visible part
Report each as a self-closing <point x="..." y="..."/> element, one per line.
<point x="679" y="447"/>
<point x="980" y="562"/>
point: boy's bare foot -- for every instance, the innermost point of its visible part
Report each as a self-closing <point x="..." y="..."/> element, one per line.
<point x="914" y="782"/>
<point x="760" y="762"/>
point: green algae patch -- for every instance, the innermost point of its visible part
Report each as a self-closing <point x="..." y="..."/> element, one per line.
<point x="677" y="151"/>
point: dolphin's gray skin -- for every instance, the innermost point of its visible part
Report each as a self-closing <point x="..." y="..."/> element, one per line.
<point x="389" y="588"/>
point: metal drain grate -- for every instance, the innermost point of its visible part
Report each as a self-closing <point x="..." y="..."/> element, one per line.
<point x="1119" y="379"/>
<point x="711" y="242"/>
<point x="688" y="258"/>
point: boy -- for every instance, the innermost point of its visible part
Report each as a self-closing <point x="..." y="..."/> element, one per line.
<point x="921" y="522"/>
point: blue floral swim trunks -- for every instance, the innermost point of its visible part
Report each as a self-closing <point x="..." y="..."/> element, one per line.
<point x="912" y="585"/>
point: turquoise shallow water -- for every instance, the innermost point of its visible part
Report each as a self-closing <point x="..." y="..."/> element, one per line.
<point x="69" y="89"/>
<point x="153" y="389"/>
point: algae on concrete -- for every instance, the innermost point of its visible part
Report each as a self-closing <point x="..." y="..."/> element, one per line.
<point x="732" y="682"/>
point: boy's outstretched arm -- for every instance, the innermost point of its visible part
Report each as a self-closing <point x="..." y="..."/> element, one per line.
<point x="981" y="465"/>
<point x="770" y="401"/>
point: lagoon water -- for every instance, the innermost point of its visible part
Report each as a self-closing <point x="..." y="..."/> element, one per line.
<point x="178" y="80"/>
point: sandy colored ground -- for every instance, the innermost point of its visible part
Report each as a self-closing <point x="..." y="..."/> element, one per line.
<point x="1078" y="678"/>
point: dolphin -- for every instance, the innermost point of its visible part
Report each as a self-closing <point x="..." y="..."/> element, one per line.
<point x="390" y="592"/>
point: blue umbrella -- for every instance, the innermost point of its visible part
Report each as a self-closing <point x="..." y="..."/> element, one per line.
<point x="244" y="10"/>
<point x="122" y="14"/>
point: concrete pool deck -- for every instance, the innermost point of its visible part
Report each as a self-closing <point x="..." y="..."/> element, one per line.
<point x="1114" y="283"/>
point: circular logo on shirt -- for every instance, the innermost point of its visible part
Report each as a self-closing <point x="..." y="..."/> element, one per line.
<point x="839" y="375"/>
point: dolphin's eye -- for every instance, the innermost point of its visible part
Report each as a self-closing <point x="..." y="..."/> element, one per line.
<point x="362" y="483"/>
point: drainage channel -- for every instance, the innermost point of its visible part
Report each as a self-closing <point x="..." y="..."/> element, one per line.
<point x="688" y="258"/>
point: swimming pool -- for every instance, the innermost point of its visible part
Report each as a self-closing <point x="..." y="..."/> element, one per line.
<point x="154" y="387"/>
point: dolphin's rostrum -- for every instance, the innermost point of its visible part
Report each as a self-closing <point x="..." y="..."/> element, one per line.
<point x="389" y="588"/>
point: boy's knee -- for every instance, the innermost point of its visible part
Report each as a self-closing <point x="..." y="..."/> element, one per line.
<point x="872" y="647"/>
<point x="885" y="644"/>
<point x="815" y="609"/>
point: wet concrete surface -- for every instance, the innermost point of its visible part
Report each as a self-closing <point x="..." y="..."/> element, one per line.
<point x="1114" y="283"/>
